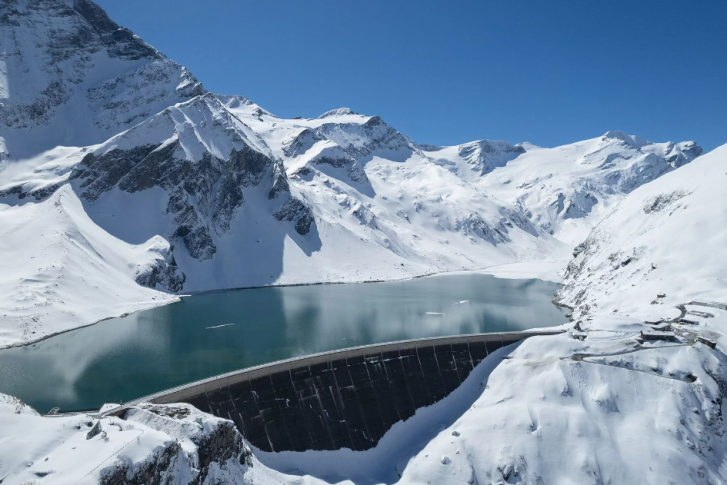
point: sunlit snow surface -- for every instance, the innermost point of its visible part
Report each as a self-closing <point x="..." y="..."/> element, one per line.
<point x="563" y="410"/>
<point x="384" y="207"/>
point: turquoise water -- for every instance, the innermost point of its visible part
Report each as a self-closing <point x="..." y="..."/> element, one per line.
<point x="209" y="334"/>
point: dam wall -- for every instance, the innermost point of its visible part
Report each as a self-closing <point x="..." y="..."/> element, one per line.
<point x="340" y="399"/>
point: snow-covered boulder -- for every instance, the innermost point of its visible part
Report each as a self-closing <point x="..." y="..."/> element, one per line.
<point x="149" y="445"/>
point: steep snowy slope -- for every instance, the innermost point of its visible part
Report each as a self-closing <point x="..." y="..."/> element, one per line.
<point x="365" y="178"/>
<point x="59" y="270"/>
<point x="70" y="76"/>
<point x="604" y="410"/>
<point x="600" y="404"/>
<point x="565" y="190"/>
<point x="667" y="237"/>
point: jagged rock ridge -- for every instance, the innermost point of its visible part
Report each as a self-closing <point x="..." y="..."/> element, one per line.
<point x="204" y="170"/>
<point x="66" y="58"/>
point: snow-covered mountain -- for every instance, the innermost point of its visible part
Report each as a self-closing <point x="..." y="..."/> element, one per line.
<point x="245" y="198"/>
<point x="601" y="404"/>
<point x="666" y="238"/>
<point x="565" y="190"/>
<point x="121" y="176"/>
<point x="69" y="76"/>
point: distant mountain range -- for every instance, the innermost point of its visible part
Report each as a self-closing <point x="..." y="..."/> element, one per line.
<point x="120" y="175"/>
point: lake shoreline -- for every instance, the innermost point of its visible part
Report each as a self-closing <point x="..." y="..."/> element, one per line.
<point x="175" y="344"/>
<point x="180" y="298"/>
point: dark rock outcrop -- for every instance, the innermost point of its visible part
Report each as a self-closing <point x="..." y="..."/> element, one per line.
<point x="164" y="274"/>
<point x="295" y="210"/>
<point x="218" y="446"/>
<point x="204" y="196"/>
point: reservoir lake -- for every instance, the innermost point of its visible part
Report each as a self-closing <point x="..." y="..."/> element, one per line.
<point x="213" y="333"/>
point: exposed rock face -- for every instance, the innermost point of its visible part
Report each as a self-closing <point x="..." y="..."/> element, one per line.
<point x="295" y="210"/>
<point x="203" y="181"/>
<point x="163" y="274"/>
<point x="157" y="470"/>
<point x="355" y="172"/>
<point x="60" y="53"/>
<point x="22" y="193"/>
<point x="204" y="452"/>
<point x="203" y="195"/>
<point x="280" y="182"/>
<point x="328" y="157"/>
<point x="486" y="155"/>
<point x="356" y="140"/>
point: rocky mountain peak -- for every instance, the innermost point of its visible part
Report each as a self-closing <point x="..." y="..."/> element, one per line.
<point x="203" y="158"/>
<point x="67" y="60"/>
<point x="337" y="112"/>
<point x="631" y="140"/>
<point x="486" y="155"/>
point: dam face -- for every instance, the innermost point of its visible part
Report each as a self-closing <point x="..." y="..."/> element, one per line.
<point x="341" y="399"/>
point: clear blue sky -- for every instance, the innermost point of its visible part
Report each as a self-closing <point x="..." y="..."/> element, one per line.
<point x="446" y="72"/>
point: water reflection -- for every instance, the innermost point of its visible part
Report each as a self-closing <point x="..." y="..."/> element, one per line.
<point x="160" y="348"/>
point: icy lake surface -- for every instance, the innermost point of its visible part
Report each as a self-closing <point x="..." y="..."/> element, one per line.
<point x="210" y="334"/>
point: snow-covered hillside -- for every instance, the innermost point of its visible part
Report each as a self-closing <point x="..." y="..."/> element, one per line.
<point x="601" y="404"/>
<point x="667" y="237"/>
<point x="245" y="198"/>
<point x="59" y="270"/>
<point x="568" y="189"/>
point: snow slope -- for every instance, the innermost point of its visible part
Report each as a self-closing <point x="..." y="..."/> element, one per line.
<point x="604" y="410"/>
<point x="59" y="270"/>
<point x="666" y="237"/>
<point x="568" y="189"/>
<point x="599" y="404"/>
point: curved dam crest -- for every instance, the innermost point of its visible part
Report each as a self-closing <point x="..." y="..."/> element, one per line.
<point x="345" y="398"/>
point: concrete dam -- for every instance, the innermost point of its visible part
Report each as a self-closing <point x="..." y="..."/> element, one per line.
<point x="340" y="399"/>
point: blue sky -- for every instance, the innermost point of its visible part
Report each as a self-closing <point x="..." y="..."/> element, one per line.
<point x="447" y="72"/>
